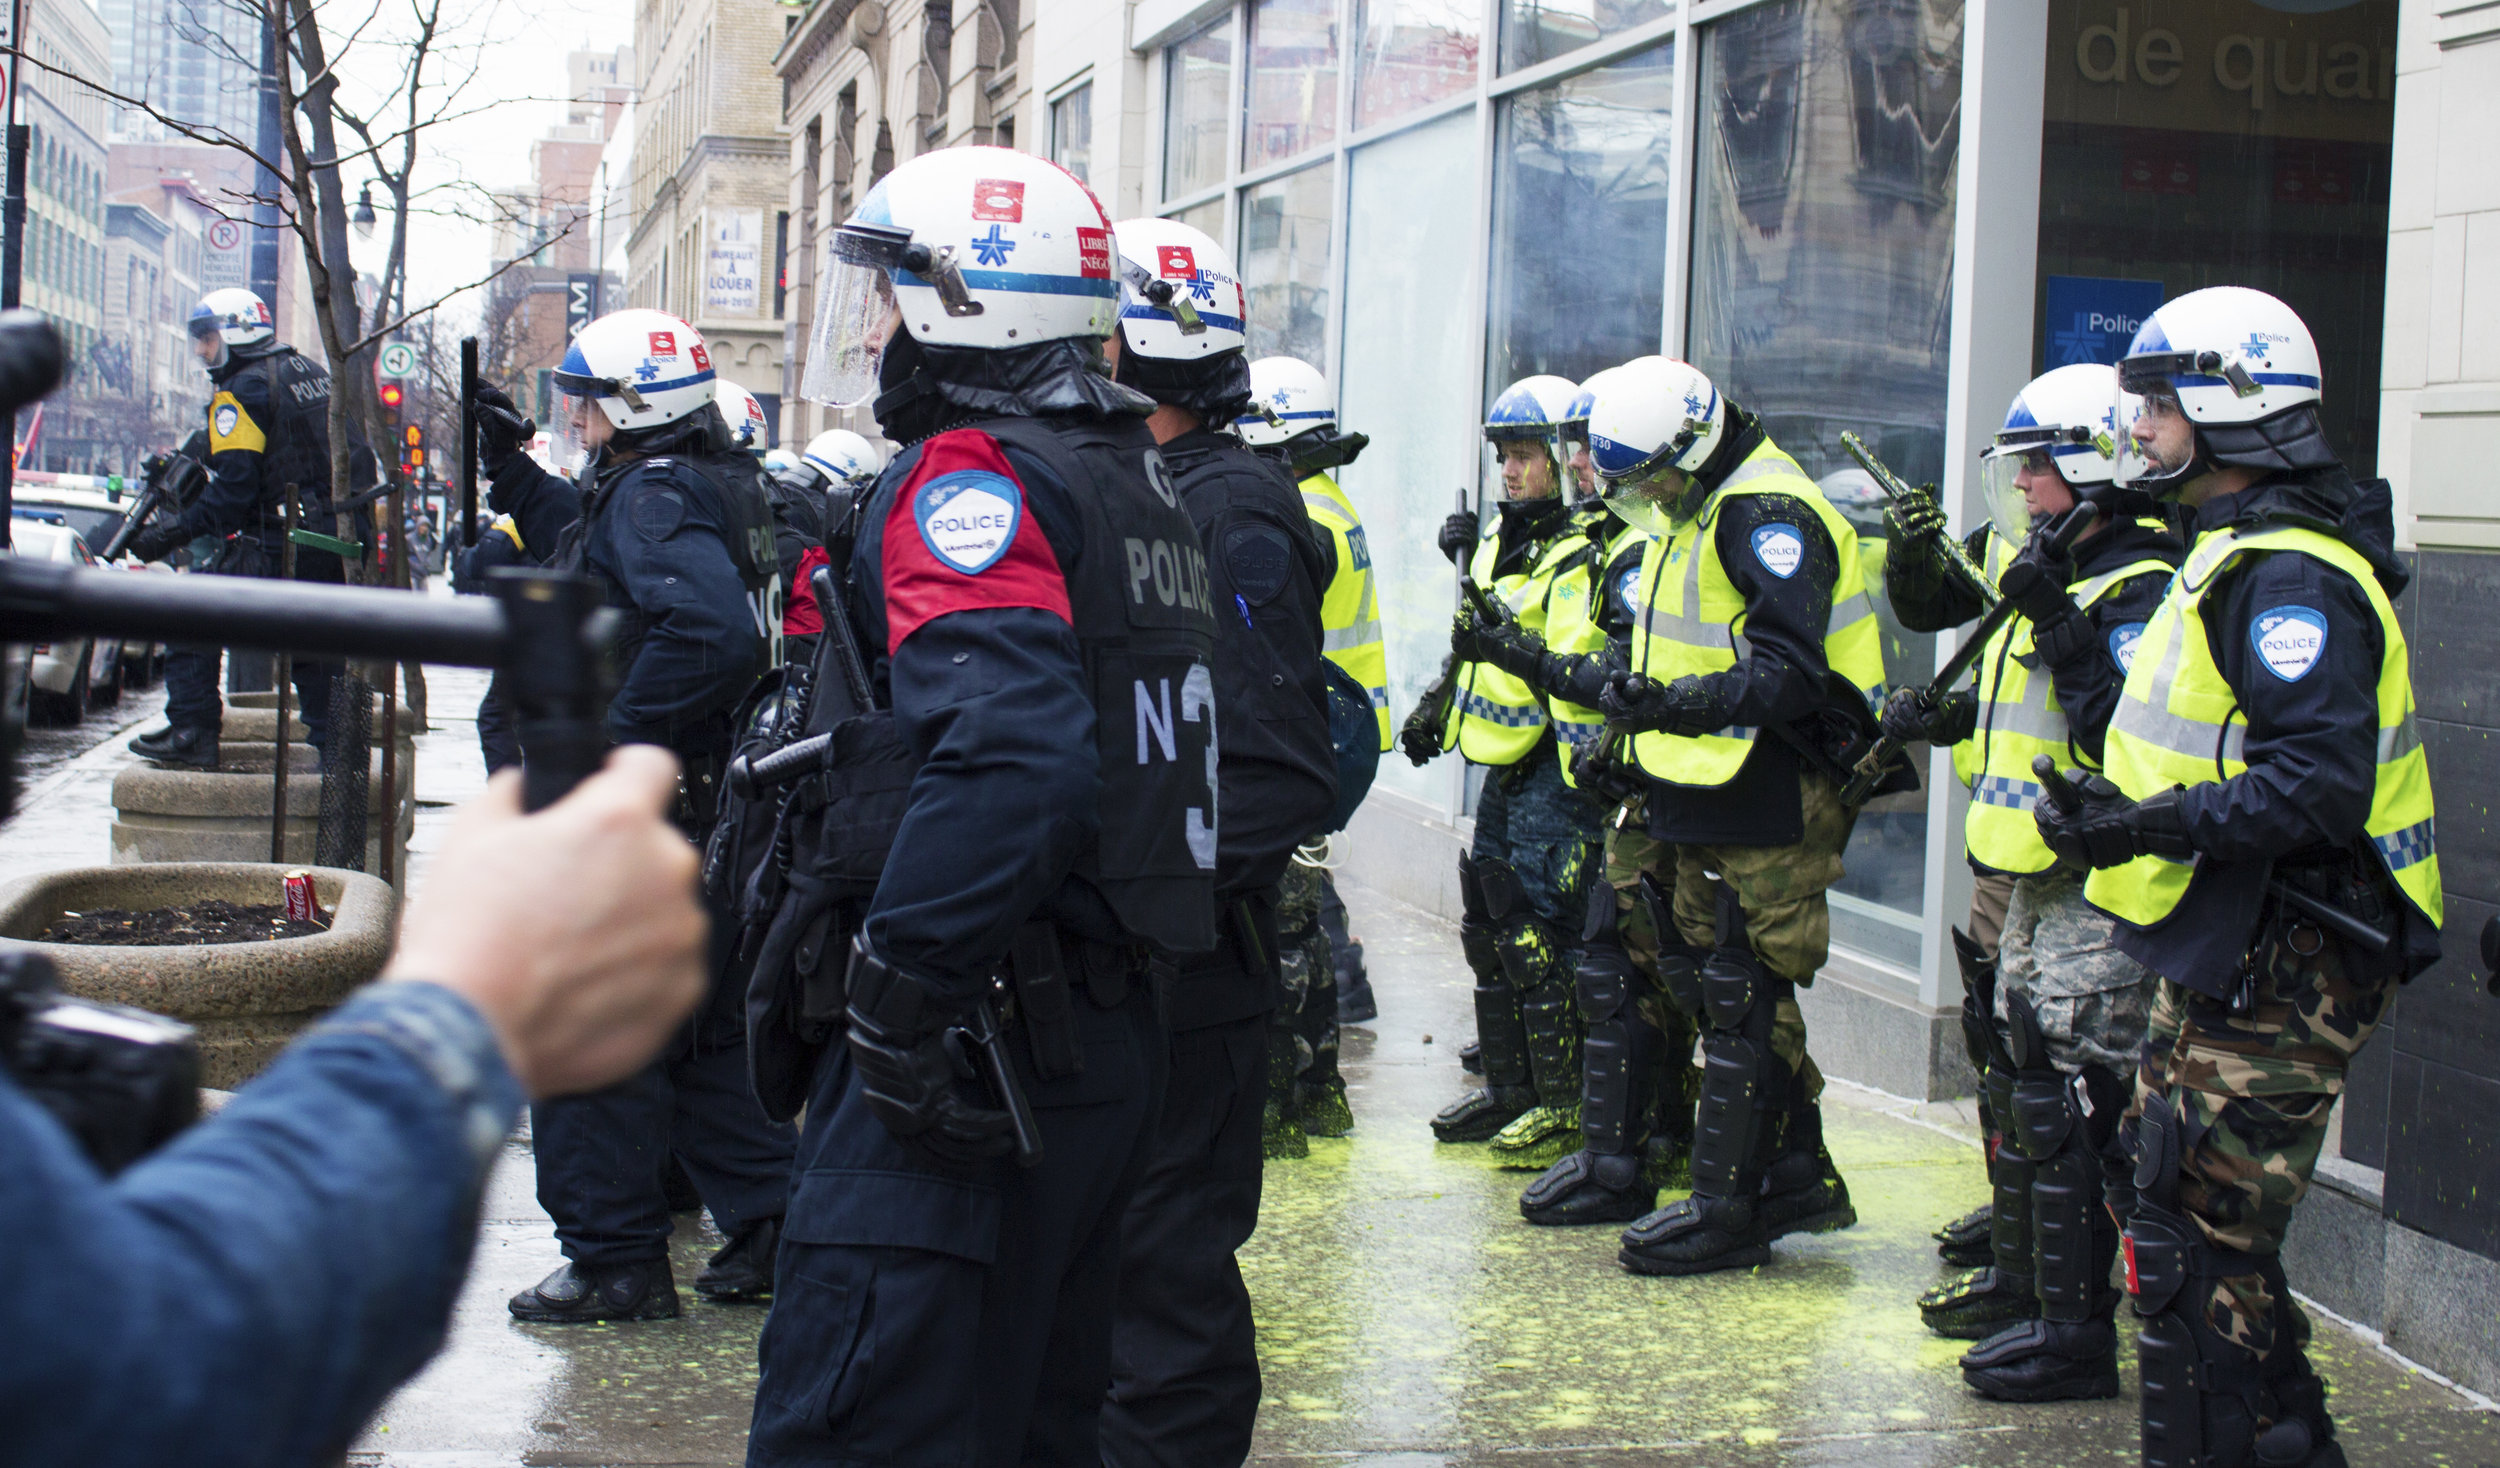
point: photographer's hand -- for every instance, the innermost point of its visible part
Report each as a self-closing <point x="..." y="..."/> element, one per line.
<point x="575" y="931"/>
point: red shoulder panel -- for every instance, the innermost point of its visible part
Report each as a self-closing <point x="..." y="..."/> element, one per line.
<point x="960" y="537"/>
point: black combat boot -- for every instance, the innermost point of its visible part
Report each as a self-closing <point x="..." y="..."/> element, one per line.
<point x="1963" y="1243"/>
<point x="576" y="1296"/>
<point x="1802" y="1190"/>
<point x="1978" y="1304"/>
<point x="190" y="748"/>
<point x="742" y="1272"/>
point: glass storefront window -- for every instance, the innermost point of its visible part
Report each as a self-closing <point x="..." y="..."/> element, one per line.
<point x="1206" y="218"/>
<point x="1284" y="262"/>
<point x="1822" y="271"/>
<point x="1198" y="89"/>
<point x="1540" y="30"/>
<point x="1408" y="375"/>
<point x="1580" y="221"/>
<point x="2219" y="142"/>
<point x="1414" y="53"/>
<point x="1292" y="105"/>
<point x="1072" y="132"/>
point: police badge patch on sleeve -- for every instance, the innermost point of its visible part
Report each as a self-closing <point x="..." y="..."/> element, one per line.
<point x="2122" y="642"/>
<point x="2289" y="640"/>
<point x="1780" y="549"/>
<point x="968" y="518"/>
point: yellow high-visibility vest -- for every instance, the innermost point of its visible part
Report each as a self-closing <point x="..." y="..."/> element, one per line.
<point x="1499" y="717"/>
<point x="1690" y="620"/>
<point x="1995" y="557"/>
<point x="1349" y="613"/>
<point x="2178" y="724"/>
<point x="1572" y="626"/>
<point x="2018" y="718"/>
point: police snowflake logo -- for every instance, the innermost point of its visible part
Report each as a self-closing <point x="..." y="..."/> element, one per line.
<point x="1780" y="549"/>
<point x="2289" y="640"/>
<point x="2123" y="639"/>
<point x="969" y="518"/>
<point x="227" y="417"/>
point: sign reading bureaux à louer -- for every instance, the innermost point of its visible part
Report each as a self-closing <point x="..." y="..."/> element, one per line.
<point x="733" y="262"/>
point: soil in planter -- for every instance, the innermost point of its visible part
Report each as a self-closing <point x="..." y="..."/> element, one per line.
<point x="213" y="921"/>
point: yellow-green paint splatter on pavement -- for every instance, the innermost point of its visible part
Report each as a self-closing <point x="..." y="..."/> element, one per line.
<point x="1409" y="1319"/>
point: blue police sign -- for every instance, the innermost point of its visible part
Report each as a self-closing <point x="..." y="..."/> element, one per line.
<point x="2092" y="319"/>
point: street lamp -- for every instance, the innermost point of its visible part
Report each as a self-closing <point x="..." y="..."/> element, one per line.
<point x="362" y="215"/>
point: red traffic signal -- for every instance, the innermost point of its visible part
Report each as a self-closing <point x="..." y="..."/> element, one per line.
<point x="393" y="395"/>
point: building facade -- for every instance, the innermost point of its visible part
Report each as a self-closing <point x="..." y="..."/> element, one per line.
<point x="1882" y="217"/>
<point x="706" y="191"/>
<point x="195" y="60"/>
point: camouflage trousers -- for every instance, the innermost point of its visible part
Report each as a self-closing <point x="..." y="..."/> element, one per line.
<point x="1302" y="1032"/>
<point x="2062" y="954"/>
<point x="2254" y="1092"/>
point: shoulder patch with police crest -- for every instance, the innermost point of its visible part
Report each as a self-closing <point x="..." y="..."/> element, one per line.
<point x="230" y="427"/>
<point x="2289" y="640"/>
<point x="1779" y="548"/>
<point x="968" y="518"/>
<point x="2123" y="639"/>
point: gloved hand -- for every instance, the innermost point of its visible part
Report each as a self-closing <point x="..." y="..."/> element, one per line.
<point x="1419" y="738"/>
<point x="1459" y="534"/>
<point x="1910" y="718"/>
<point x="1921" y="520"/>
<point x="160" y="539"/>
<point x="1635" y="705"/>
<point x="2036" y="585"/>
<point x="501" y="430"/>
<point x="2091" y="823"/>
<point x="910" y="1073"/>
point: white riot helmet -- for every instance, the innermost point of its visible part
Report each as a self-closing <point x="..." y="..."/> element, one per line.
<point x="1654" y="422"/>
<point x="745" y="416"/>
<point x="1575" y="429"/>
<point x="1535" y="409"/>
<point x="844" y="457"/>
<point x="1180" y="298"/>
<point x="642" y="368"/>
<point x="235" y="317"/>
<point x="781" y="463"/>
<point x="2064" y="419"/>
<point x="964" y="247"/>
<point x="1288" y="398"/>
<point x="2239" y="366"/>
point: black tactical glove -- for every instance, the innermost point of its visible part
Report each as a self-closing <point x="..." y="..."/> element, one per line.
<point x="2090" y="823"/>
<point x="1910" y="718"/>
<point x="501" y="430"/>
<point x="2036" y="585"/>
<point x="1921" y="520"/>
<point x="915" y="1064"/>
<point x="1420" y="737"/>
<point x="1459" y="534"/>
<point x="160" y="539"/>
<point x="1634" y="704"/>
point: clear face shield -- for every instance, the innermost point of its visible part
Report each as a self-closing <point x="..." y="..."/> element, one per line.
<point x="856" y="316"/>
<point x="2010" y="479"/>
<point x="581" y="426"/>
<point x="1655" y="503"/>
<point x="1524" y="469"/>
<point x="2156" y="441"/>
<point x="1577" y="465"/>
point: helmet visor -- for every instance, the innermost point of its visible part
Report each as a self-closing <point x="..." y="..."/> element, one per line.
<point x="2009" y="509"/>
<point x="1655" y="503"/>
<point x="580" y="424"/>
<point x="2156" y="439"/>
<point x="855" y="317"/>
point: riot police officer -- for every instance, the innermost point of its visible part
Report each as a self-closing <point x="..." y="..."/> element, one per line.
<point x="1038" y="609"/>
<point x="1293" y="419"/>
<point x="1184" y="1362"/>
<point x="268" y="429"/>
<point x="2263" y="836"/>
<point x="2062" y="1006"/>
<point x="1744" y="740"/>
<point x="682" y="547"/>
<point x="1521" y="885"/>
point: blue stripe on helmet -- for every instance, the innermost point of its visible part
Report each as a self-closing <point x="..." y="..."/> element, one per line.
<point x="1134" y="311"/>
<point x="1018" y="282"/>
<point x="2149" y="338"/>
<point x="675" y="383"/>
<point x="2019" y="416"/>
<point x="1612" y="458"/>
<point x="1517" y="408"/>
<point x="574" y="362"/>
<point x="1581" y="407"/>
<point x="2269" y="379"/>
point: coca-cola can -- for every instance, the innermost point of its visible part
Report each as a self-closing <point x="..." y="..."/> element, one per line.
<point x="302" y="906"/>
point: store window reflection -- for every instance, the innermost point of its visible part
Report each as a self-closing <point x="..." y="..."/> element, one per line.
<point x="1206" y="218"/>
<point x="1414" y="53"/>
<point x="1821" y="287"/>
<point x="1197" y="113"/>
<point x="1580" y="220"/>
<point x="2221" y="142"/>
<point x="1293" y="79"/>
<point x="1540" y="30"/>
<point x="1408" y="378"/>
<point x="1284" y="262"/>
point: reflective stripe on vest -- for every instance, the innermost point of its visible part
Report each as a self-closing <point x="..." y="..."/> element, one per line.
<point x="1690" y="620"/>
<point x="2177" y="725"/>
<point x="1995" y="557"/>
<point x="1349" y="612"/>
<point x="2019" y="718"/>
<point x="1499" y="717"/>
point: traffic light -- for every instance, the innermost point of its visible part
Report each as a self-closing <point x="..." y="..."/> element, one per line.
<point x="393" y="395"/>
<point x="412" y="441"/>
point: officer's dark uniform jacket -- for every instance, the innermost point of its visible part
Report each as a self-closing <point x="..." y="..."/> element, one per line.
<point x="268" y="427"/>
<point x="1784" y="677"/>
<point x="2311" y="745"/>
<point x="1277" y="768"/>
<point x="1040" y="613"/>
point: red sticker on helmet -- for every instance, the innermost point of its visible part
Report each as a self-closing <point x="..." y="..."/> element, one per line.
<point x="1093" y="252"/>
<point x="663" y="344"/>
<point x="998" y="198"/>
<point x="1176" y="262"/>
<point x="702" y="358"/>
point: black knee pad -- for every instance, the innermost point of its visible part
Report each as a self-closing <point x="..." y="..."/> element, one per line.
<point x="1505" y="896"/>
<point x="1531" y="953"/>
<point x="1679" y="974"/>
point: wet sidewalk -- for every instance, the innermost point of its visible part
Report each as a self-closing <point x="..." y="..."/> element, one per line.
<point x="1408" y="1317"/>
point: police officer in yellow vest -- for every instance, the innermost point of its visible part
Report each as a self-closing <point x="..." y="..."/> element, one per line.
<point x="2063" y="1011"/>
<point x="2262" y="767"/>
<point x="1756" y="666"/>
<point x="1293" y="419"/>
<point x="1522" y="884"/>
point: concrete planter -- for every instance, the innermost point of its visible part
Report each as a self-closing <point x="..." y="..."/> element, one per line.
<point x="246" y="999"/>
<point x="222" y="815"/>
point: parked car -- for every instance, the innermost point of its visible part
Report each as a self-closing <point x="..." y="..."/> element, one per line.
<point x="96" y="513"/>
<point x="66" y="678"/>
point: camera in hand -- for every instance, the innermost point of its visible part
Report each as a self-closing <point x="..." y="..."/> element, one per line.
<point x="123" y="1081"/>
